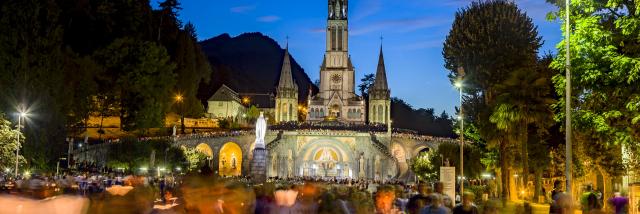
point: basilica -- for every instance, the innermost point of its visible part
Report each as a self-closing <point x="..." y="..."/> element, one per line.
<point x="336" y="99"/>
<point x="347" y="153"/>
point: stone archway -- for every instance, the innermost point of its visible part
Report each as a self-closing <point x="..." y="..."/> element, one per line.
<point x="325" y="157"/>
<point x="205" y="149"/>
<point x="230" y="160"/>
<point x="399" y="152"/>
<point x="418" y="149"/>
<point x="400" y="155"/>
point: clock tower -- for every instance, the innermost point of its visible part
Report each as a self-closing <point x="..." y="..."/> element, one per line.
<point x="337" y="99"/>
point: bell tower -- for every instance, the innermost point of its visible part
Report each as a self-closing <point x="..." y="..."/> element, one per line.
<point x="337" y="72"/>
<point x="337" y="99"/>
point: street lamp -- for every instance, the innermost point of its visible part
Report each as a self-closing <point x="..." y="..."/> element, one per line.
<point x="459" y="85"/>
<point x="567" y="132"/>
<point x="21" y="114"/>
<point x="179" y="99"/>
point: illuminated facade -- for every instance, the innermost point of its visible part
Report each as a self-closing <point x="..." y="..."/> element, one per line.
<point x="337" y="100"/>
<point x="287" y="93"/>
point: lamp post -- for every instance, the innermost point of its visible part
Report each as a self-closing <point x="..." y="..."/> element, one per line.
<point x="21" y="115"/>
<point x="461" y="118"/>
<point x="179" y="99"/>
<point x="568" y="99"/>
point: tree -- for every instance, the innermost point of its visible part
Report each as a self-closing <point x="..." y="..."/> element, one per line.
<point x="605" y="74"/>
<point x="422" y="121"/>
<point x="423" y="167"/>
<point x="194" y="157"/>
<point x="365" y="83"/>
<point x="143" y="78"/>
<point x="524" y="100"/>
<point x="132" y="154"/>
<point x="32" y="62"/>
<point x="427" y="164"/>
<point x="192" y="68"/>
<point x="8" y="144"/>
<point x="490" y="40"/>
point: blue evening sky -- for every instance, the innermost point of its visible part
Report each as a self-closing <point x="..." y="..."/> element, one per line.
<point x="413" y="31"/>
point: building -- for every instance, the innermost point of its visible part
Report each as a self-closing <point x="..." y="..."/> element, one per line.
<point x="337" y="153"/>
<point x="379" y="96"/>
<point x="286" y="107"/>
<point x="337" y="100"/>
<point x="225" y="103"/>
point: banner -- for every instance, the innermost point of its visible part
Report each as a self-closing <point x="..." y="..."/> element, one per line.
<point x="448" y="179"/>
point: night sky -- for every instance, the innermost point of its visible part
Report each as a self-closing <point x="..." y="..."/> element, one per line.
<point x="413" y="32"/>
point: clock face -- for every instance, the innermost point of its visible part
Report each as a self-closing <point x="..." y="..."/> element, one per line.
<point x="336" y="78"/>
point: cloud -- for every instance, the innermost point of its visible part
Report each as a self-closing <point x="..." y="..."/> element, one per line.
<point x="400" y="25"/>
<point x="436" y="43"/>
<point x="366" y="8"/>
<point x="536" y="9"/>
<point x="317" y="30"/>
<point x="242" y="8"/>
<point x="270" y="18"/>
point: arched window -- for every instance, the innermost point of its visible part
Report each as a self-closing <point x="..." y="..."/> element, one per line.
<point x="322" y="112"/>
<point x="380" y="119"/>
<point x="339" y="38"/>
<point x="374" y="114"/>
<point x="333" y="38"/>
<point x="386" y="114"/>
<point x="290" y="112"/>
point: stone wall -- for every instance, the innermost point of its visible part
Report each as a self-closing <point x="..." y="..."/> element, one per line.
<point x="293" y="153"/>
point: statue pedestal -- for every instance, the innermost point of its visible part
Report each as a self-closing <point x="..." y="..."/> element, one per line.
<point x="259" y="165"/>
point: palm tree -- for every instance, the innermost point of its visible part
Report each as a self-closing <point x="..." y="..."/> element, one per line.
<point x="522" y="101"/>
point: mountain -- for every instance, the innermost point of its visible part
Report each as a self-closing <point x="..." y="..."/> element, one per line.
<point x="249" y="63"/>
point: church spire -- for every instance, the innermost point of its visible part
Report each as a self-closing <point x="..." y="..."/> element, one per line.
<point x="286" y="78"/>
<point x="380" y="82"/>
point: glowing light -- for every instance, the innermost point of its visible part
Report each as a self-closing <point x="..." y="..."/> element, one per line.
<point x="144" y="169"/>
<point x="458" y="84"/>
<point x="178" y="97"/>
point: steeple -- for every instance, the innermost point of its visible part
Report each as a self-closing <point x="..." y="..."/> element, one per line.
<point x="380" y="82"/>
<point x="286" y="79"/>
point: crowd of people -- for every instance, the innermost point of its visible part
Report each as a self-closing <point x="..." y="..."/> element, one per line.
<point x="212" y="194"/>
<point x="199" y="135"/>
<point x="336" y="126"/>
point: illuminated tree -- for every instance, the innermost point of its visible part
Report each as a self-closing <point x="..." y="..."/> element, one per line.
<point x="605" y="74"/>
<point x="8" y="145"/>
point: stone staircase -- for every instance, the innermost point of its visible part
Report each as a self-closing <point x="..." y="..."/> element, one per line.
<point x="380" y="146"/>
<point x="272" y="144"/>
<point x="403" y="171"/>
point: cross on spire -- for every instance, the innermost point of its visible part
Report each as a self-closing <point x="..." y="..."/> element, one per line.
<point x="287" y="44"/>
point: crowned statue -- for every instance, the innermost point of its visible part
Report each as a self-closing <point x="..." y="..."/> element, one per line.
<point x="261" y="129"/>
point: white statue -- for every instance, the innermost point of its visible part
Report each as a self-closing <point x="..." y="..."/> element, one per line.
<point x="174" y="130"/>
<point x="261" y="129"/>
